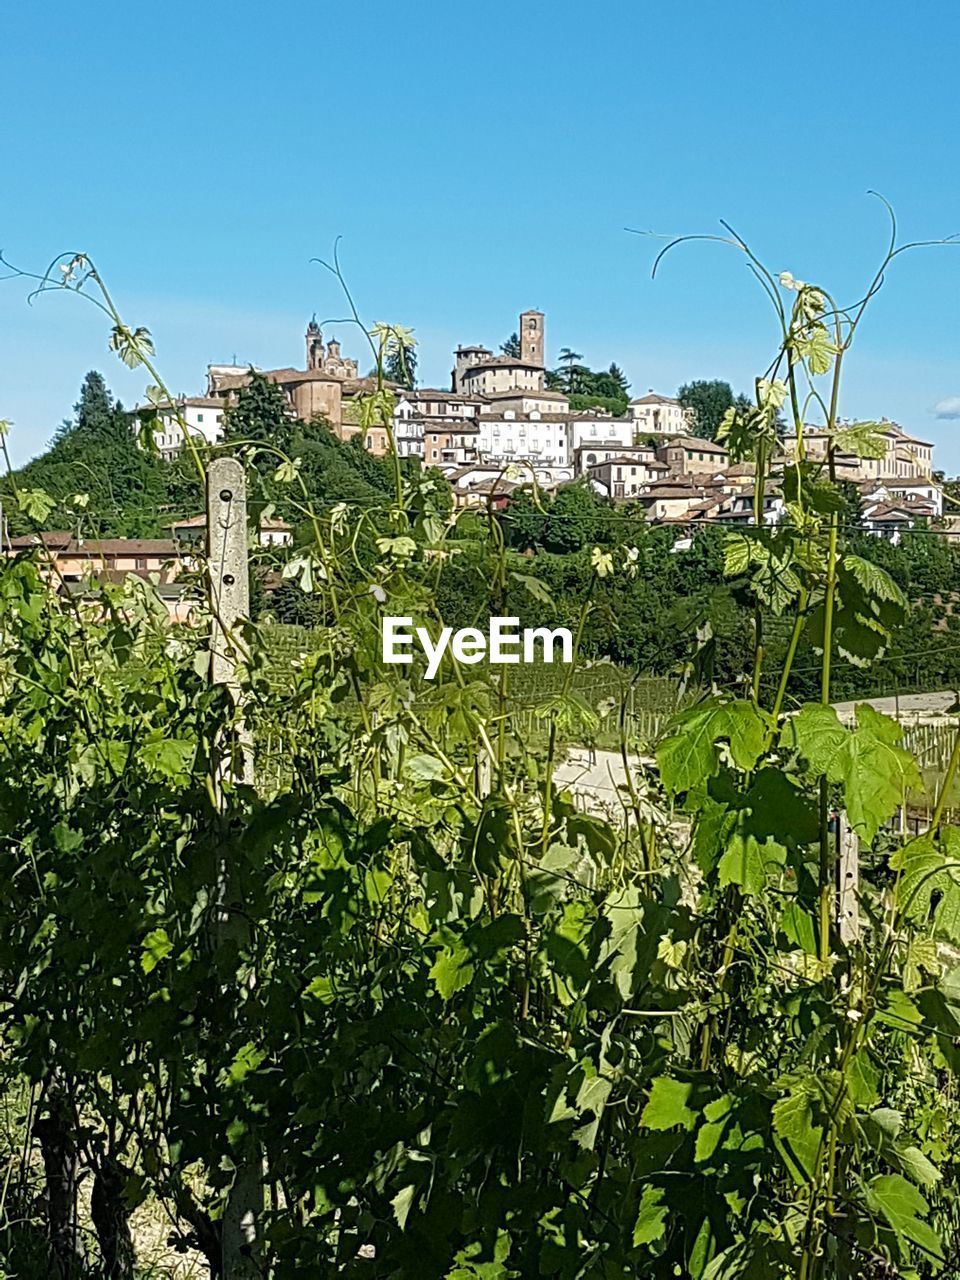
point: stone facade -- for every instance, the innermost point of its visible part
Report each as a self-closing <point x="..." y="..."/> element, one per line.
<point x="477" y="371"/>
<point x="327" y="359"/>
<point x="531" y="333"/>
<point x="689" y="455"/>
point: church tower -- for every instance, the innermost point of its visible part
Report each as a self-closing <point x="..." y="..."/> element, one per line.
<point x="531" y="338"/>
<point x="315" y="352"/>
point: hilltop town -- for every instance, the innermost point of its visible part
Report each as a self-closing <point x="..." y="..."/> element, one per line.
<point x="499" y="425"/>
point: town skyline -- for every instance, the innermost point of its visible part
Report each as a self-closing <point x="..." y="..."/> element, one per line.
<point x="30" y="438"/>
<point x="501" y="199"/>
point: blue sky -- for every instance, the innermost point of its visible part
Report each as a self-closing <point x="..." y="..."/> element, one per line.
<point x="478" y="160"/>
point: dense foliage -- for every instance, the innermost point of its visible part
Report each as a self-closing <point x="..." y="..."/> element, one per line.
<point x="589" y="388"/>
<point x="708" y="401"/>
<point x="123" y="490"/>
<point x="399" y="1005"/>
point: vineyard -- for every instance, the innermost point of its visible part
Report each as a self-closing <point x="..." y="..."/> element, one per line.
<point x="313" y="967"/>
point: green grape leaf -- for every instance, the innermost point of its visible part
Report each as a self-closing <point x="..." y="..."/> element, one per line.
<point x="903" y="1207"/>
<point x="651" y="1217"/>
<point x="745" y="862"/>
<point x="36" y="504"/>
<point x="817" y="736"/>
<point x="798" y="1136"/>
<point x="667" y="1105"/>
<point x="874" y="580"/>
<point x="918" y="1167"/>
<point x="452" y="970"/>
<point x="691" y="753"/>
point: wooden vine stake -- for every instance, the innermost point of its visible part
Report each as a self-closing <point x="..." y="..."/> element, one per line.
<point x="848" y="875"/>
<point x="230" y="602"/>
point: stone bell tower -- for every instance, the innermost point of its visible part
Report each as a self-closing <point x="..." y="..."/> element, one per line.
<point x="315" y="351"/>
<point x="531" y="337"/>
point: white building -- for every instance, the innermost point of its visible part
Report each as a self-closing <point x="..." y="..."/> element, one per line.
<point x="593" y="454"/>
<point x="626" y="475"/>
<point x="484" y="484"/>
<point x="660" y="415"/>
<point x="192" y="531"/>
<point x="512" y="435"/>
<point x="590" y="432"/>
<point x="432" y="403"/>
<point x="201" y="415"/>
<point x="905" y="457"/>
<point x="408" y="430"/>
<point x="915" y="494"/>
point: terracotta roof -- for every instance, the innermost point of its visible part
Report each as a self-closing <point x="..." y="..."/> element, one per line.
<point x="434" y="393"/>
<point x="626" y="450"/>
<point x="624" y="461"/>
<point x="181" y="402"/>
<point x="894" y="512"/>
<point x="498" y="362"/>
<point x="694" y="442"/>
<point x="97" y="547"/>
<point x="455" y="427"/>
<point x="652" y="398"/>
<point x="527" y="395"/>
<point x="673" y="489"/>
<point x="51" y="538"/>
<point x="500" y="485"/>
<point x="200" y="522"/>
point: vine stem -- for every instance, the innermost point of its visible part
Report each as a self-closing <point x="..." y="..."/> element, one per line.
<point x="795" y="634"/>
<point x="826" y="862"/>
<point x="948" y="777"/>
<point x="565" y="690"/>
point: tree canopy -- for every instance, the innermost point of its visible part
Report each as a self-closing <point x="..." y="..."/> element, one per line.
<point x="709" y="401"/>
<point x="589" y="388"/>
<point x="95" y="473"/>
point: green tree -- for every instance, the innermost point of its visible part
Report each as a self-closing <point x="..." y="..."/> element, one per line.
<point x="619" y="378"/>
<point x="709" y="401"/>
<point x="512" y="346"/>
<point x="259" y="415"/>
<point x="101" y="481"/>
<point x="591" y="388"/>
<point x="588" y="400"/>
<point x="401" y="365"/>
<point x="396" y="349"/>
<point x="572" y="360"/>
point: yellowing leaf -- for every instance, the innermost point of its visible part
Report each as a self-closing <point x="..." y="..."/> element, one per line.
<point x="156" y="947"/>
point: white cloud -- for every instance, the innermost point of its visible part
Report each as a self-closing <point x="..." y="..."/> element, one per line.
<point x="948" y="408"/>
